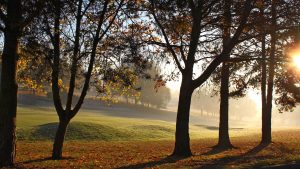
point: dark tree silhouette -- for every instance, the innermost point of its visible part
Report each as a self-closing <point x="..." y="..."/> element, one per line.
<point x="185" y="53"/>
<point x="224" y="141"/>
<point x="100" y="27"/>
<point x="13" y="21"/>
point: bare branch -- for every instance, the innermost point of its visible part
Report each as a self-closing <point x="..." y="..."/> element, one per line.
<point x="227" y="49"/>
<point x="169" y="46"/>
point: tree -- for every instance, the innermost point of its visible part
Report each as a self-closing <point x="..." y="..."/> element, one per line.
<point x="263" y="71"/>
<point x="91" y="24"/>
<point x="182" y="43"/>
<point x="224" y="141"/>
<point x="267" y="113"/>
<point x="14" y="16"/>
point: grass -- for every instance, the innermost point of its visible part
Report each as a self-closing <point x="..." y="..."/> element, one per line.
<point x="96" y="140"/>
<point x="40" y="123"/>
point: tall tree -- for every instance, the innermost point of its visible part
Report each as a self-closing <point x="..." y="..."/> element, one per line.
<point x="183" y="47"/>
<point x="224" y="141"/>
<point x="9" y="87"/>
<point x="267" y="113"/>
<point x="14" y="17"/>
<point x="87" y="36"/>
<point x="263" y="69"/>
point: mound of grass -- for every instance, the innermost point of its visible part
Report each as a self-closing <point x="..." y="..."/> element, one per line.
<point x="154" y="128"/>
<point x="153" y="131"/>
<point x="76" y="131"/>
<point x="94" y="131"/>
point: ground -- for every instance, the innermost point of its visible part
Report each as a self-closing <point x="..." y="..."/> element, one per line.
<point x="98" y="140"/>
<point x="154" y="154"/>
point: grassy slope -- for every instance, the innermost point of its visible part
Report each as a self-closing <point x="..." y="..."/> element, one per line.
<point x="39" y="123"/>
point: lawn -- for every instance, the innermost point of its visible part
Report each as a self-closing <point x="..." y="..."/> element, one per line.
<point x="97" y="140"/>
<point x="39" y="123"/>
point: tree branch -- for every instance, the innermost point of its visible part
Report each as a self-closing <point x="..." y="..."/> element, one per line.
<point x="166" y="38"/>
<point x="227" y="49"/>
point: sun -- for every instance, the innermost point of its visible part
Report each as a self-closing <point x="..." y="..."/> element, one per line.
<point x="296" y="60"/>
<point x="294" y="55"/>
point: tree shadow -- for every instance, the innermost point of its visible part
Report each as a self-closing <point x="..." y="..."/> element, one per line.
<point x="151" y="164"/>
<point x="218" y="149"/>
<point x="44" y="159"/>
<point x="218" y="163"/>
<point x="256" y="149"/>
<point x="291" y="165"/>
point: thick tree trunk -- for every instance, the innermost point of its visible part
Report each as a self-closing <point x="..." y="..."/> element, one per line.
<point x="182" y="138"/>
<point x="9" y="85"/>
<point x="224" y="141"/>
<point x="59" y="139"/>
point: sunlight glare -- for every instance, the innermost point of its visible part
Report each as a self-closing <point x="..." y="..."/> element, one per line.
<point x="296" y="61"/>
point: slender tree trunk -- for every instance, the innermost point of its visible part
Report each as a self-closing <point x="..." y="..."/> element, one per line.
<point x="182" y="138"/>
<point x="59" y="139"/>
<point x="9" y="87"/>
<point x="263" y="92"/>
<point x="224" y="141"/>
<point x="267" y="117"/>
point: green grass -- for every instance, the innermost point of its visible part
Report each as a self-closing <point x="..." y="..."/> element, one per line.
<point x="40" y="123"/>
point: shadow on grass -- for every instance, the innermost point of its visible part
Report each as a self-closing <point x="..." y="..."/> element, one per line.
<point x="256" y="149"/>
<point x="45" y="159"/>
<point x="218" y="163"/>
<point x="216" y="128"/>
<point x="219" y="149"/>
<point x="213" y="164"/>
<point x="292" y="165"/>
<point x="214" y="151"/>
<point x="151" y="164"/>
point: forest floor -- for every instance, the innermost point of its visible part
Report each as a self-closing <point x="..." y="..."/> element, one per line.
<point x="97" y="140"/>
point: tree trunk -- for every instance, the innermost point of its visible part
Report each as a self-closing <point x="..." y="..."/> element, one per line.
<point x="9" y="85"/>
<point x="266" y="131"/>
<point x="59" y="139"/>
<point x="224" y="141"/>
<point x="267" y="116"/>
<point x="182" y="138"/>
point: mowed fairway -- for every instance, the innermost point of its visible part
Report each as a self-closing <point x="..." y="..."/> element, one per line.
<point x="96" y="140"/>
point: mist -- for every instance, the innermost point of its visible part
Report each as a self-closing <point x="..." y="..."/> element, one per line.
<point x="243" y="112"/>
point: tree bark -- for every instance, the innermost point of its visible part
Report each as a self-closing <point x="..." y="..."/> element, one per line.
<point x="9" y="85"/>
<point x="59" y="139"/>
<point x="182" y="138"/>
